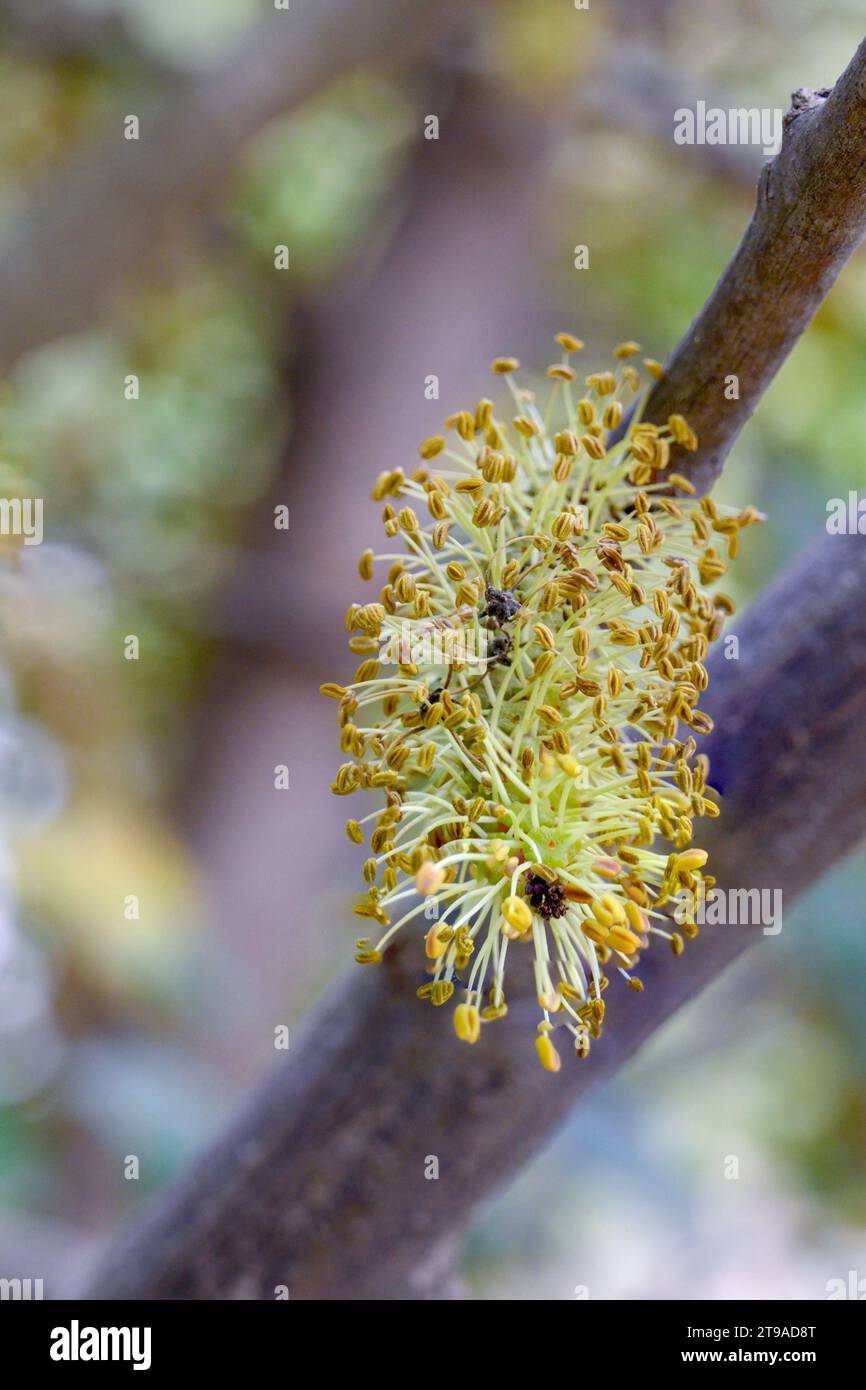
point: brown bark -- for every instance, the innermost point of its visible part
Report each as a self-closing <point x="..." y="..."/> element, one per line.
<point x="809" y="217"/>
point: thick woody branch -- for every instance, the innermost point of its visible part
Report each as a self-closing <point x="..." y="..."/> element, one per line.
<point x="320" y="1185"/>
<point x="809" y="217"/>
<point x="99" y="221"/>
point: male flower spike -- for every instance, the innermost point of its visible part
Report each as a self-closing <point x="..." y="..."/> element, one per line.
<point x="526" y="701"/>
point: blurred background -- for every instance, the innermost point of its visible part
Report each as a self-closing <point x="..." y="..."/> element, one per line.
<point x="261" y="388"/>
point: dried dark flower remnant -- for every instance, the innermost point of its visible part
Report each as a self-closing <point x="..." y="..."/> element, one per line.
<point x="502" y="605"/>
<point x="526" y="703"/>
<point x="546" y="898"/>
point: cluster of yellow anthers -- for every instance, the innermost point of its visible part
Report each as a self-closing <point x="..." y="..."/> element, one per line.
<point x="527" y="669"/>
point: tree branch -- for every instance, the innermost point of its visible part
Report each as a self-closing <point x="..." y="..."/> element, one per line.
<point x="320" y="1185"/>
<point x="809" y="217"/>
<point x="99" y="220"/>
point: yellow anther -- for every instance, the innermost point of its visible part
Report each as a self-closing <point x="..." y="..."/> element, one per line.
<point x="547" y="1053"/>
<point x="431" y="447"/>
<point x="613" y="906"/>
<point x="621" y="939"/>
<point x="691" y="859"/>
<point x="429" y="878"/>
<point x="569" y="764"/>
<point x="517" y="914"/>
<point x="467" y="1023"/>
<point x="607" y="868"/>
<point x="601" y="912"/>
<point x="636" y="919"/>
<point x="434" y="947"/>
